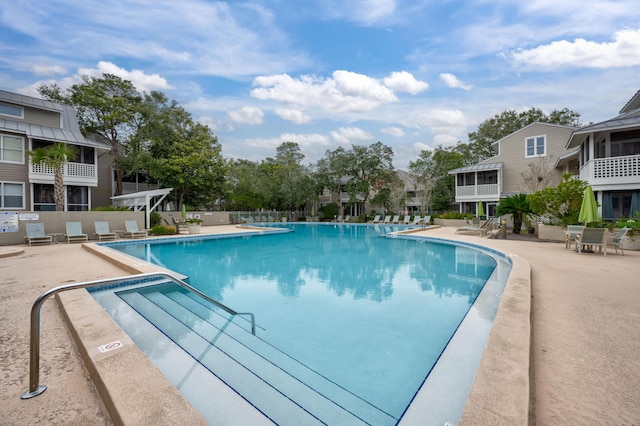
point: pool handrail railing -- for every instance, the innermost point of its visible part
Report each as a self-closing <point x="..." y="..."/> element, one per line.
<point x="35" y="388"/>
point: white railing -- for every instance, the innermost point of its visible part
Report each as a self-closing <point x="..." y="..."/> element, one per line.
<point x="477" y="190"/>
<point x="615" y="167"/>
<point x="612" y="170"/>
<point x="71" y="170"/>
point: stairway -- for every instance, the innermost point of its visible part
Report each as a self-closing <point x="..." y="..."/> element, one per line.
<point x="284" y="389"/>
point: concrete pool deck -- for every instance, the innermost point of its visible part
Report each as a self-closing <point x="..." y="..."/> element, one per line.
<point x="585" y="311"/>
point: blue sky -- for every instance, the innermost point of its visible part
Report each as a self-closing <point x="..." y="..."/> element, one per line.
<point x="412" y="74"/>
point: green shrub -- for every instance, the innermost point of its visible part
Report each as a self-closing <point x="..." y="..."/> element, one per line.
<point x="163" y="230"/>
<point x="155" y="219"/>
<point x="452" y="215"/>
<point x="330" y="210"/>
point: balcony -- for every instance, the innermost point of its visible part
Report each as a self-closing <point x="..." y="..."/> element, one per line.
<point x="477" y="192"/>
<point x="612" y="173"/>
<point x="133" y="187"/>
<point x="81" y="174"/>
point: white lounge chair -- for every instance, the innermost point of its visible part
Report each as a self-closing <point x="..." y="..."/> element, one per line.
<point x="74" y="233"/>
<point x="396" y="219"/>
<point x="406" y="220"/>
<point x="132" y="229"/>
<point x="376" y="219"/>
<point x="103" y="232"/>
<point x="387" y="219"/>
<point x="36" y="235"/>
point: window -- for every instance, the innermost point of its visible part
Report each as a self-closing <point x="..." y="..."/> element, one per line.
<point x="43" y="198"/>
<point x="466" y="179"/>
<point x="488" y="178"/>
<point x="11" y="110"/>
<point x="535" y="146"/>
<point x="11" y="149"/>
<point x="77" y="198"/>
<point x="11" y="195"/>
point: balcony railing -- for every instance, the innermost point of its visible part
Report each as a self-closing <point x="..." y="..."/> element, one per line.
<point x="472" y="191"/>
<point x="71" y="171"/>
<point x="133" y="187"/>
<point x="612" y="170"/>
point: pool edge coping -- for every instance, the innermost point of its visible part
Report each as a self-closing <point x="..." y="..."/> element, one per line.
<point x="505" y="359"/>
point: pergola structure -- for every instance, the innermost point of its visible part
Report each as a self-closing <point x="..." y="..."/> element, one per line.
<point x="142" y="200"/>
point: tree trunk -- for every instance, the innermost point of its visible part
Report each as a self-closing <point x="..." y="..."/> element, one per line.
<point x="58" y="188"/>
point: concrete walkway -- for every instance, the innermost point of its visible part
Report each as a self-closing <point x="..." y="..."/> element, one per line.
<point x="585" y="352"/>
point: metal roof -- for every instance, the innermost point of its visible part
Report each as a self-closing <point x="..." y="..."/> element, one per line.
<point x="69" y="133"/>
<point x="629" y="120"/>
<point x="634" y="103"/>
<point x="477" y="168"/>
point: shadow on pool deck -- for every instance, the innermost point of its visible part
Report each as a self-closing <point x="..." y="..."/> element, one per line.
<point x="584" y="349"/>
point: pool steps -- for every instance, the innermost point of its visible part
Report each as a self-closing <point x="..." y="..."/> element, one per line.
<point x="224" y="344"/>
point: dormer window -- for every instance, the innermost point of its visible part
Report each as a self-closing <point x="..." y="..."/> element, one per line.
<point x="11" y="110"/>
<point x="535" y="146"/>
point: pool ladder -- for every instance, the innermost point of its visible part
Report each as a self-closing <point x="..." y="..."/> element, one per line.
<point x="35" y="388"/>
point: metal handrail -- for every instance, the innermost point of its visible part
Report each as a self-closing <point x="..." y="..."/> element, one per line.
<point x="35" y="388"/>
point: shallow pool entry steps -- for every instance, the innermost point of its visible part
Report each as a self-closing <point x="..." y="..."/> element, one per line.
<point x="285" y="390"/>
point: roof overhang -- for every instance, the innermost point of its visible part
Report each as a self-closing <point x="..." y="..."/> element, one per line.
<point x="142" y="200"/>
<point x="477" y="168"/>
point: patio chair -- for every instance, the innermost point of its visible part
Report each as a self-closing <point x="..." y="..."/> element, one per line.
<point x="133" y="231"/>
<point x="426" y="220"/>
<point x="180" y="224"/>
<point x="103" y="232"/>
<point x="339" y="218"/>
<point x="35" y="234"/>
<point x="592" y="237"/>
<point x="347" y="218"/>
<point x="616" y="241"/>
<point x="406" y="220"/>
<point x="74" y="233"/>
<point x="376" y="219"/>
<point x="395" y="219"/>
<point x="417" y="219"/>
<point x="387" y="219"/>
<point x="571" y="234"/>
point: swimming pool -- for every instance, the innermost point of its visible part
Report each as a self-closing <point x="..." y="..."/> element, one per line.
<point x="365" y="316"/>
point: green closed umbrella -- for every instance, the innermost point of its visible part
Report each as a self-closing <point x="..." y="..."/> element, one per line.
<point x="589" y="208"/>
<point x="480" y="209"/>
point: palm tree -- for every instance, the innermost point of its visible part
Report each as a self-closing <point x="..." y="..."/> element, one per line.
<point x="56" y="156"/>
<point x="516" y="205"/>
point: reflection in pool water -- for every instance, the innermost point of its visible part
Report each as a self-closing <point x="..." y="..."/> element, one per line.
<point x="369" y="313"/>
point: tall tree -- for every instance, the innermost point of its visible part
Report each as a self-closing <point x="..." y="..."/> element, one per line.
<point x="105" y="107"/>
<point x="430" y="173"/>
<point x="369" y="169"/>
<point x="500" y="125"/>
<point x="56" y="156"/>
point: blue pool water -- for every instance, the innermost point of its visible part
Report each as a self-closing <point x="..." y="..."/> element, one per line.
<point x="369" y="315"/>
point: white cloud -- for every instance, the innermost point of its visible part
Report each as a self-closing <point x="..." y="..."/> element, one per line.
<point x="393" y="131"/>
<point x="345" y="135"/>
<point x="405" y="82"/>
<point x="445" y="140"/>
<point x="247" y="115"/>
<point x="452" y="81"/>
<point x="445" y="121"/>
<point x="47" y="69"/>
<point x="141" y="81"/>
<point x="345" y="91"/>
<point x="294" y="115"/>
<point x="420" y="146"/>
<point x="623" y="51"/>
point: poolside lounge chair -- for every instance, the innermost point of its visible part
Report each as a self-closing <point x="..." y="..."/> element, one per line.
<point x="571" y="234"/>
<point x="417" y="219"/>
<point x="347" y="218"/>
<point x="426" y="220"/>
<point x="387" y="219"/>
<point x="132" y="229"/>
<point x="406" y="220"/>
<point x="74" y="233"/>
<point x="35" y="234"/>
<point x="103" y="232"/>
<point x="376" y="219"/>
<point x="339" y="218"/>
<point x="396" y="219"/>
<point x="616" y="241"/>
<point x="592" y="238"/>
<point x="481" y="229"/>
<point x="180" y="224"/>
